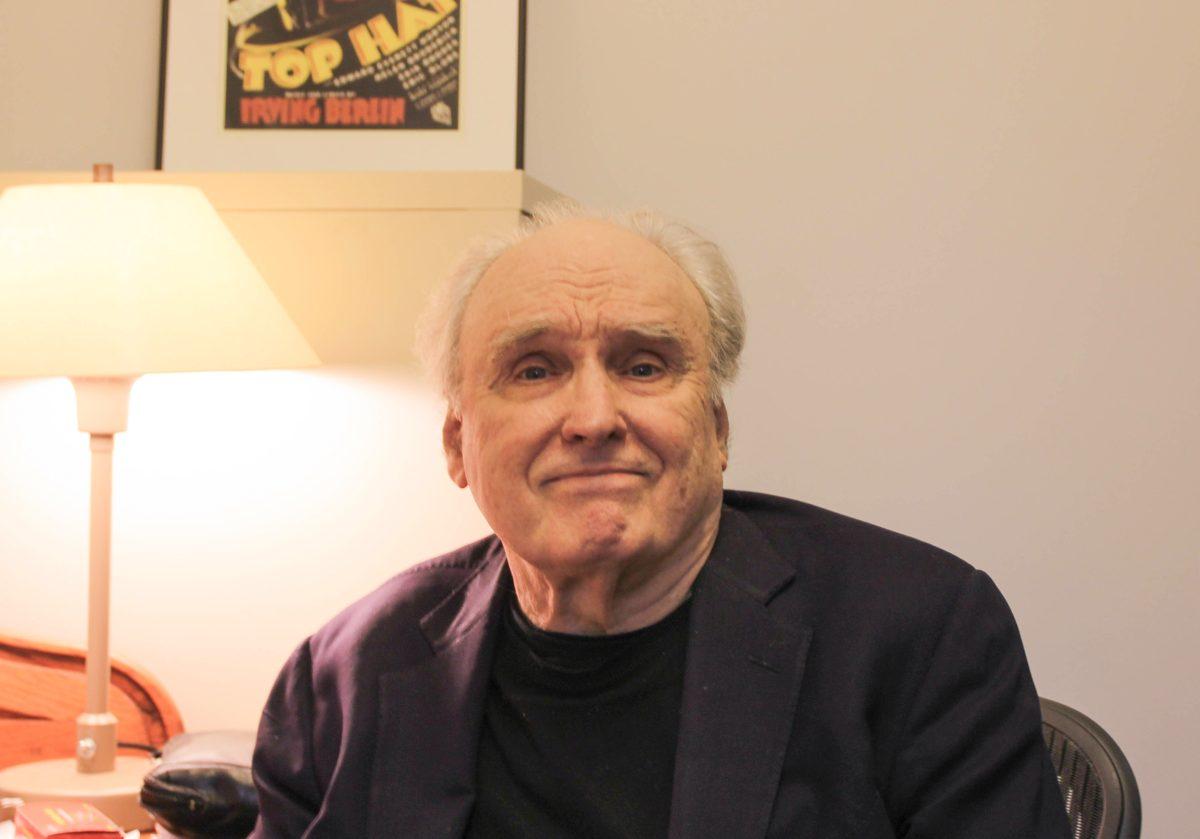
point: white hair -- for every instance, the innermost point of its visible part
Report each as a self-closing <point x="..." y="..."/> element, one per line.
<point x="440" y="327"/>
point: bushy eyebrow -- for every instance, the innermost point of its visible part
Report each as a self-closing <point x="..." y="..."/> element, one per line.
<point x="513" y="339"/>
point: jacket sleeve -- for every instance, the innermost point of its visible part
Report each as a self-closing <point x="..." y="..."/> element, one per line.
<point x="288" y="793"/>
<point x="971" y="760"/>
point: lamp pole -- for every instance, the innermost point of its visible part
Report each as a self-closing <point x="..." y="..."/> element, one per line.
<point x="102" y="406"/>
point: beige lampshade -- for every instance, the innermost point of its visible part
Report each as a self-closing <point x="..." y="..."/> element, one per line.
<point x="106" y="279"/>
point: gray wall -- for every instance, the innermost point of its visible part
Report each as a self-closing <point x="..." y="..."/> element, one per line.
<point x="78" y="83"/>
<point x="967" y="240"/>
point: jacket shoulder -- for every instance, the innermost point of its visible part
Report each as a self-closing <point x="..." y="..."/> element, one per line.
<point x="840" y="558"/>
<point x="383" y="628"/>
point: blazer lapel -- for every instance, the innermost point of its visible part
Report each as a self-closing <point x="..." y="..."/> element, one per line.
<point x="430" y="714"/>
<point x="745" y="662"/>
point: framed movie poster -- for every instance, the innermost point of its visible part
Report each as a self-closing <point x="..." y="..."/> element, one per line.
<point x="326" y="85"/>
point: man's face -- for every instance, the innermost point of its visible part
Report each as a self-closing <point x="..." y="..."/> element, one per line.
<point x="586" y="431"/>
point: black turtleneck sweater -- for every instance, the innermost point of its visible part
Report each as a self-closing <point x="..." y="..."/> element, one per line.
<point x="579" y="732"/>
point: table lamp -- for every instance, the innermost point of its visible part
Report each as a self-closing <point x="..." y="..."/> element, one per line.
<point x="103" y="282"/>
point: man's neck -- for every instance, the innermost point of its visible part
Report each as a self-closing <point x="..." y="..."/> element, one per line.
<point x="610" y="597"/>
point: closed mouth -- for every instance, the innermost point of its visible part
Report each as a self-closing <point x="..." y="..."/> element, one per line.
<point x="593" y="473"/>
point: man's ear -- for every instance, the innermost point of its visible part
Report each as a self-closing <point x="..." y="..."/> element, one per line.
<point x="452" y="446"/>
<point x="722" y="421"/>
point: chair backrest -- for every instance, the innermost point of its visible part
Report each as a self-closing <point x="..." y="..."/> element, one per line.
<point x="42" y="689"/>
<point x="1097" y="782"/>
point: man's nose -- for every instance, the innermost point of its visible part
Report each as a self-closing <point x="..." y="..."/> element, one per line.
<point x="593" y="413"/>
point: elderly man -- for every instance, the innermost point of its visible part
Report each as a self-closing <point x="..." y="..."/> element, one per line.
<point x="636" y="652"/>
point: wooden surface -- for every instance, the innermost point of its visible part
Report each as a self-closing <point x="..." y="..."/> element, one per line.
<point x="42" y="691"/>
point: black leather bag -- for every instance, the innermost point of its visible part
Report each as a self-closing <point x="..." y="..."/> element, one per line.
<point x="202" y="788"/>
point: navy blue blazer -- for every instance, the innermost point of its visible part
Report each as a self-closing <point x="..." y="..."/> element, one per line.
<point x="841" y="681"/>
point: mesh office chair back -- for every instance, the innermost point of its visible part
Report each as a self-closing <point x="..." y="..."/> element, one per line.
<point x="1097" y="782"/>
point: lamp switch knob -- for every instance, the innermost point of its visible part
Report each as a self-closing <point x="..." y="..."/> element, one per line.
<point x="85" y="749"/>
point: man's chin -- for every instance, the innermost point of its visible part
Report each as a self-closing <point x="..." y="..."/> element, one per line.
<point x="597" y="533"/>
<point x="581" y="533"/>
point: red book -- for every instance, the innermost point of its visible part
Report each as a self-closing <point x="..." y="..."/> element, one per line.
<point x="64" y="820"/>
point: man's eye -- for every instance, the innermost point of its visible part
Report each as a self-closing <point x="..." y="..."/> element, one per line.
<point x="532" y="373"/>
<point x="645" y="370"/>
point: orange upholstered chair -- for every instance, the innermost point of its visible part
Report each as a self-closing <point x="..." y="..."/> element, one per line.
<point x="42" y="691"/>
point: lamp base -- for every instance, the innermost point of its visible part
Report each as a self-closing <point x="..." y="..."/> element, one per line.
<point x="115" y="794"/>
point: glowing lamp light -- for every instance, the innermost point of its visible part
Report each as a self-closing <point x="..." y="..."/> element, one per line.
<point x="103" y="282"/>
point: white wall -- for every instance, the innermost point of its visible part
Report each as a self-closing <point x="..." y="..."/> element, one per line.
<point x="967" y="242"/>
<point x="248" y="508"/>
<point x="966" y="235"/>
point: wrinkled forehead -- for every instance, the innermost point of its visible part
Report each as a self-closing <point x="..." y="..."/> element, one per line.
<point x="583" y="277"/>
